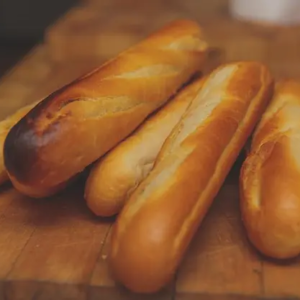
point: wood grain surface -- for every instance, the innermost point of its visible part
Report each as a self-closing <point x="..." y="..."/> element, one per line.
<point x="55" y="248"/>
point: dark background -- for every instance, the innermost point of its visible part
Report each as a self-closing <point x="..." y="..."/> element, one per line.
<point x="22" y="23"/>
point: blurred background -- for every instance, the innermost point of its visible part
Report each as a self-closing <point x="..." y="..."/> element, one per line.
<point x="45" y="44"/>
<point x="22" y="25"/>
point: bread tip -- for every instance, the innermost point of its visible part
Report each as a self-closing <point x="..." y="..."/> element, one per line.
<point x="18" y="153"/>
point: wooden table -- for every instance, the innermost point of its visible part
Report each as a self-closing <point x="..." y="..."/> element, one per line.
<point x="56" y="249"/>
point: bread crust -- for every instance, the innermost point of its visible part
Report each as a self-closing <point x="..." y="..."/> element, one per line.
<point x="270" y="176"/>
<point x="77" y="124"/>
<point x="156" y="225"/>
<point x="118" y="174"/>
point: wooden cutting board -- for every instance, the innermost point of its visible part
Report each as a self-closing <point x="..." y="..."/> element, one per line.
<point x="56" y="248"/>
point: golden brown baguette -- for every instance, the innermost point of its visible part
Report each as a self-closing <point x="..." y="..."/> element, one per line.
<point x="270" y="177"/>
<point x="113" y="178"/>
<point x="79" y="123"/>
<point x="157" y="223"/>
<point x="5" y="126"/>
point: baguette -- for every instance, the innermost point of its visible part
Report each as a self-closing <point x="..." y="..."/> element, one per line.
<point x="76" y="125"/>
<point x="5" y="126"/>
<point x="156" y="225"/>
<point x="270" y="177"/>
<point x="114" y="178"/>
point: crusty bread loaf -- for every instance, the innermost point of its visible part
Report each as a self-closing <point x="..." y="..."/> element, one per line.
<point x="157" y="223"/>
<point x="77" y="124"/>
<point x="5" y="126"/>
<point x="270" y="177"/>
<point x="117" y="175"/>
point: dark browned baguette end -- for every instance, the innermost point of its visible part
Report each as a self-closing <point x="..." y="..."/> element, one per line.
<point x="21" y="152"/>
